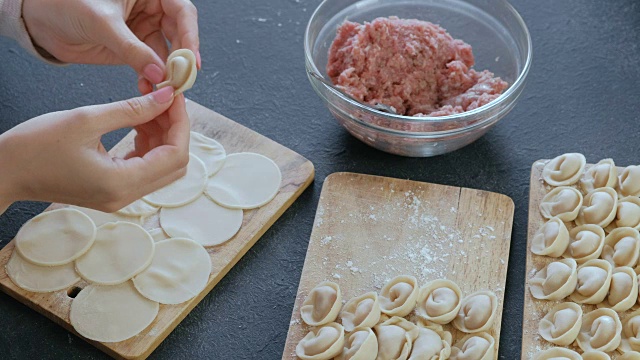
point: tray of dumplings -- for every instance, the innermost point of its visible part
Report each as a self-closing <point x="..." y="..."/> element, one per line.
<point x="581" y="297"/>
<point x="399" y="269"/>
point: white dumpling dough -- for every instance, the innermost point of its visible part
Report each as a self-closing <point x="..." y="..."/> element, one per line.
<point x="184" y="190"/>
<point x="361" y="344"/>
<point x="181" y="71"/>
<point x="158" y="234"/>
<point x="602" y="174"/>
<point x="629" y="181"/>
<point x="121" y="251"/>
<point x="178" y="272"/>
<point x="322" y="343"/>
<point x="322" y="305"/>
<point x="203" y="221"/>
<point x="246" y="181"/>
<point x="36" y="278"/>
<point x="111" y="313"/>
<point x="138" y="208"/>
<point x="562" y="324"/>
<point x="100" y="218"/>
<point x="564" y="170"/>
<point x="601" y="331"/>
<point x="211" y="152"/>
<point x="557" y="353"/>
<point x="480" y="346"/>
<point x="55" y="237"/>
<point x="563" y="202"/>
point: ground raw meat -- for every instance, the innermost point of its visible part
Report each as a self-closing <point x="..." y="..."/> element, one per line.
<point x="414" y="66"/>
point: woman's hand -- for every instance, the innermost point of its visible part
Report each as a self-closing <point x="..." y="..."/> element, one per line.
<point x="132" y="32"/>
<point x="58" y="157"/>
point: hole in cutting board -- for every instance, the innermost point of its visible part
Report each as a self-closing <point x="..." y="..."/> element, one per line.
<point x="74" y="291"/>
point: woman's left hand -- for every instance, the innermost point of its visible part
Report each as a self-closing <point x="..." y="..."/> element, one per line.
<point x="132" y="32"/>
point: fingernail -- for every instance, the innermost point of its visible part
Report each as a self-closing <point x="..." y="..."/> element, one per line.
<point x="163" y="95"/>
<point x="153" y="73"/>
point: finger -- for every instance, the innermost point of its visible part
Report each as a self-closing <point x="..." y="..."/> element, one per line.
<point x="186" y="18"/>
<point x="158" y="43"/>
<point x="144" y="86"/>
<point x="132" y="51"/>
<point x="130" y="112"/>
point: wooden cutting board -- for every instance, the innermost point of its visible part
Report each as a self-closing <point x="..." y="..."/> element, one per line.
<point x="369" y="229"/>
<point x="535" y="310"/>
<point x="297" y="175"/>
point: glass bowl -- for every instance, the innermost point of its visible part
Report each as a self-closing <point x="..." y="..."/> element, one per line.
<point x="501" y="44"/>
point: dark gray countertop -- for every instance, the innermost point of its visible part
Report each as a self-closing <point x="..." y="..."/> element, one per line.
<point x="582" y="95"/>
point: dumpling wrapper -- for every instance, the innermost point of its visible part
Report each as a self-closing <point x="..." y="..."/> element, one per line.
<point x="395" y="338"/>
<point x="601" y="331"/>
<point x="596" y="355"/>
<point x="439" y="301"/>
<point x="623" y="290"/>
<point x="431" y="344"/>
<point x="564" y="170"/>
<point x="599" y="207"/>
<point x="552" y="239"/>
<point x="477" y="312"/>
<point x="594" y="278"/>
<point x="630" y="333"/>
<point x="555" y="281"/>
<point x="629" y="181"/>
<point x="561" y="325"/>
<point x="138" y="208"/>
<point x="184" y="190"/>
<point x="602" y="174"/>
<point x="181" y="71"/>
<point x="361" y="344"/>
<point x="322" y="343"/>
<point x="480" y="346"/>
<point x="562" y="202"/>
<point x="398" y="297"/>
<point x="622" y="247"/>
<point x="361" y="311"/>
<point x="211" y="152"/>
<point x="557" y="353"/>
<point x="37" y="278"/>
<point x="585" y="243"/>
<point x="322" y="305"/>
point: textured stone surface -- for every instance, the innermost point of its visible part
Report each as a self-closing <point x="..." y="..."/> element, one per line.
<point x="582" y="95"/>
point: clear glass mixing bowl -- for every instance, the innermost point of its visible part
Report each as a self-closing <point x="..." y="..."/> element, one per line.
<point x="501" y="44"/>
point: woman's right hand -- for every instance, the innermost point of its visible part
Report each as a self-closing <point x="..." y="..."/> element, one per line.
<point x="59" y="157"/>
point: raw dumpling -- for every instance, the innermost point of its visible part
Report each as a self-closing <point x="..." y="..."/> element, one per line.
<point x="623" y="290"/>
<point x="585" y="243"/>
<point x="552" y="239"/>
<point x="395" y="338"/>
<point x="631" y="355"/>
<point x="555" y="281"/>
<point x="595" y="355"/>
<point x="630" y="333"/>
<point x="322" y="343"/>
<point x="594" y="278"/>
<point x="564" y="170"/>
<point x="439" y="301"/>
<point x="600" y="331"/>
<point x="181" y="71"/>
<point x="562" y="324"/>
<point x="322" y="305"/>
<point x="602" y="174"/>
<point x="629" y="181"/>
<point x="361" y="311"/>
<point x="563" y="202"/>
<point x="477" y="312"/>
<point x="398" y="297"/>
<point x="622" y="247"/>
<point x="362" y="344"/>
<point x="557" y="353"/>
<point x="599" y="207"/>
<point x="628" y="214"/>
<point x="432" y="344"/>
<point x="480" y="346"/>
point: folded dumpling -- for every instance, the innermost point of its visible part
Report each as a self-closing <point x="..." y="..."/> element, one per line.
<point x="594" y="278"/>
<point x="631" y="355"/>
<point x="563" y="202"/>
<point x="629" y="181"/>
<point x="595" y="355"/>
<point x="480" y="346"/>
<point x="601" y="331"/>
<point x="622" y="247"/>
<point x="627" y="215"/>
<point x="432" y="343"/>
<point x="555" y="281"/>
<point x="361" y="344"/>
<point x="561" y="324"/>
<point x="557" y="353"/>
<point x="361" y="311"/>
<point x="599" y="207"/>
<point x="322" y="343"/>
<point x="564" y="170"/>
<point x="602" y="174"/>
<point x="322" y="305"/>
<point x="585" y="243"/>
<point x="439" y="301"/>
<point x="398" y="297"/>
<point x="630" y="333"/>
<point x="552" y="239"/>
<point x="395" y="338"/>
<point x="623" y="290"/>
<point x="477" y="312"/>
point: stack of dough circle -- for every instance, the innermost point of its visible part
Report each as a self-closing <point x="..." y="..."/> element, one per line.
<point x="211" y="152"/>
<point x="121" y="251"/>
<point x="184" y="190"/>
<point x="246" y="181"/>
<point x="178" y="272"/>
<point x="40" y="278"/>
<point x="181" y="71"/>
<point x="55" y="237"/>
<point x="203" y="221"/>
<point x="111" y="313"/>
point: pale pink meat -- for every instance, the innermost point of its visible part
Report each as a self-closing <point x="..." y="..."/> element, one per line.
<point x="414" y="66"/>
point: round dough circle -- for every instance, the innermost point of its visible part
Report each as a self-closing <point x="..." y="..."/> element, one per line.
<point x="211" y="152"/>
<point x="111" y="313"/>
<point x="246" y="181"/>
<point x="184" y="190"/>
<point x="138" y="208"/>
<point x="121" y="251"/>
<point x="179" y="271"/>
<point x="203" y="221"/>
<point x="100" y="218"/>
<point x="36" y="278"/>
<point x="55" y="237"/>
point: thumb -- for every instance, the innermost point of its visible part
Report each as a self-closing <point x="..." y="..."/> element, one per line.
<point x="135" y="53"/>
<point x="134" y="111"/>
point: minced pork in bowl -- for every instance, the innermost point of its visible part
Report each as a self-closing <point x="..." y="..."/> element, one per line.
<point x="501" y="44"/>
